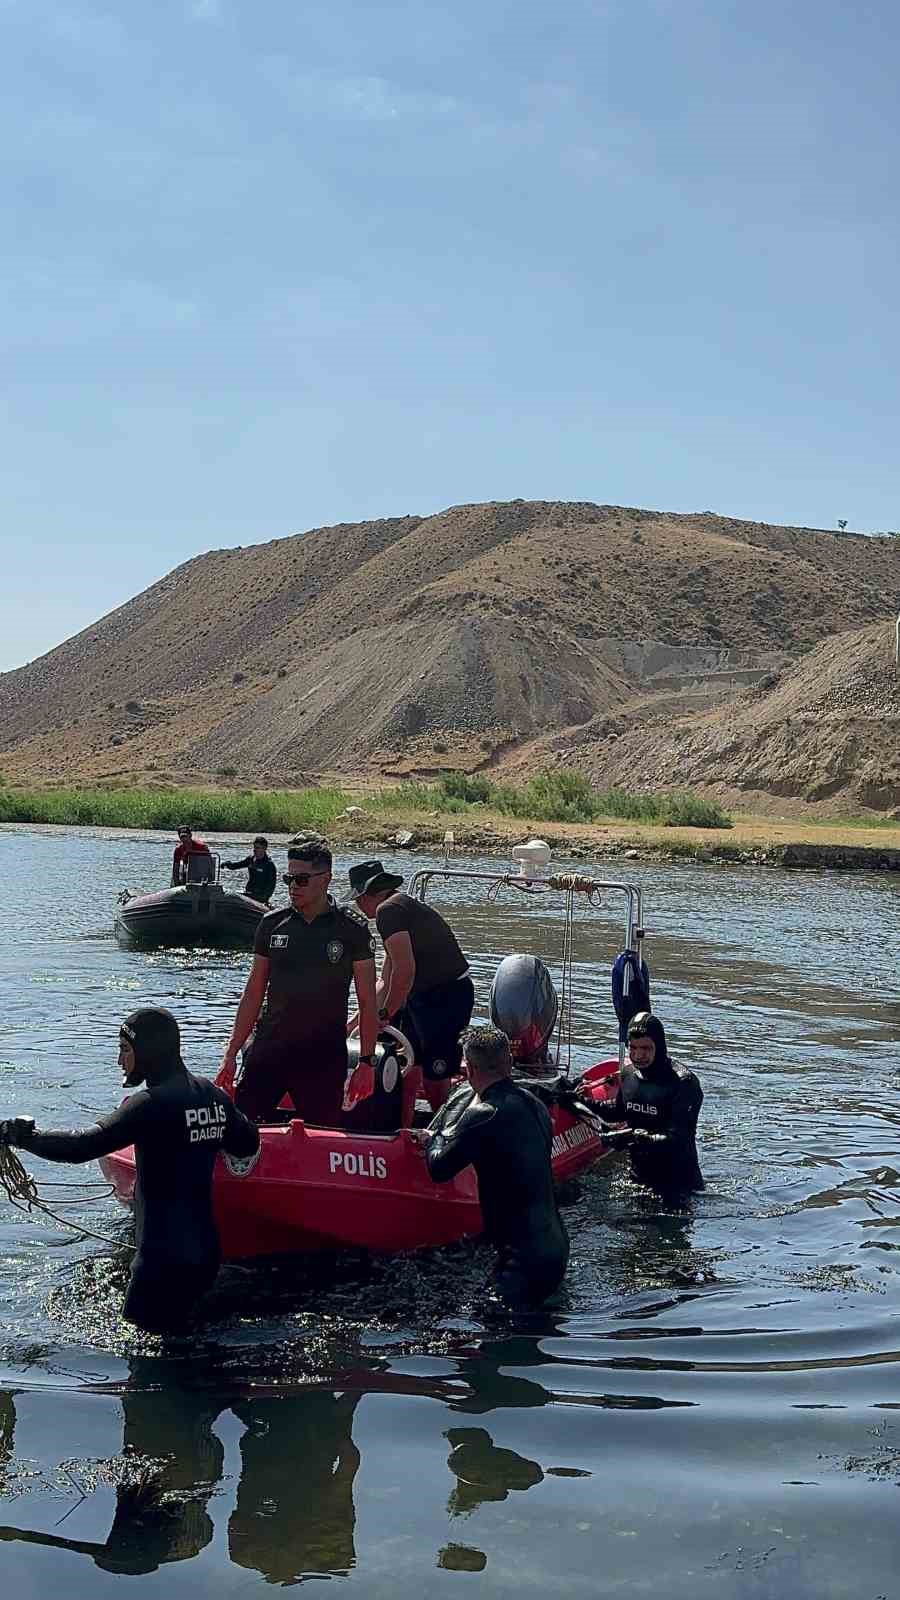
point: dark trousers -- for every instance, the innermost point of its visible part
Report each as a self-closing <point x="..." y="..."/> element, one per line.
<point x="311" y="1075"/>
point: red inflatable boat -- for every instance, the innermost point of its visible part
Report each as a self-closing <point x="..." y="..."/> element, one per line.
<point x="325" y="1189"/>
<point x="312" y="1188"/>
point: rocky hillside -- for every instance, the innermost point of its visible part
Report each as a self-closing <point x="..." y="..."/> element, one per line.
<point x="825" y="733"/>
<point x="480" y="635"/>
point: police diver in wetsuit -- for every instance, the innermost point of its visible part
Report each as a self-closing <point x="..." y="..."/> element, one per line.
<point x="494" y="1125"/>
<point x="177" y="1124"/>
<point x="660" y="1102"/>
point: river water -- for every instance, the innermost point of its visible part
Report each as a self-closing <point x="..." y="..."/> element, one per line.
<point x="712" y="1409"/>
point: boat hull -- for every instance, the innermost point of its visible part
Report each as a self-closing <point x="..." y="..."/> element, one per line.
<point x="198" y="914"/>
<point x="313" y="1189"/>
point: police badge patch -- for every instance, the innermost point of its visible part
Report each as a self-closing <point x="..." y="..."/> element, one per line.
<point x="239" y="1166"/>
<point x="334" y="950"/>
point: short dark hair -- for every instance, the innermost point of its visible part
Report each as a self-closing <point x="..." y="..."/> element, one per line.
<point x="313" y="850"/>
<point x="488" y="1049"/>
<point x="260" y="840"/>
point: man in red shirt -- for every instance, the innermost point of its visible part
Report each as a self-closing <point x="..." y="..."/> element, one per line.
<point x="187" y="846"/>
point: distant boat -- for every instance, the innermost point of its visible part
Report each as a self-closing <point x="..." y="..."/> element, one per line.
<point x="200" y="912"/>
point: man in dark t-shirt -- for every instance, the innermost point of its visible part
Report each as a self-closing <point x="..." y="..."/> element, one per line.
<point x="424" y="986"/>
<point x="177" y="1124"/>
<point x="305" y="959"/>
<point x="260" y="870"/>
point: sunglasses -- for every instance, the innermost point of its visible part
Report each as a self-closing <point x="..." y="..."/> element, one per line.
<point x="301" y="879"/>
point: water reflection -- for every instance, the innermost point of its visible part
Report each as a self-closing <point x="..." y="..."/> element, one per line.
<point x="485" y="1472"/>
<point x="294" y="1510"/>
<point x="294" y="1513"/>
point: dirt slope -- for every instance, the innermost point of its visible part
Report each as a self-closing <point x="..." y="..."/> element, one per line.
<point x="825" y="733"/>
<point x="412" y="642"/>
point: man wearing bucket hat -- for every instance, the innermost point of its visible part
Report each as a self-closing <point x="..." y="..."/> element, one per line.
<point x="424" y="987"/>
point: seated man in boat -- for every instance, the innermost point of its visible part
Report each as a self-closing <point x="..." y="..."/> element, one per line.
<point x="177" y="1124"/>
<point x="424" y="986"/>
<point x="504" y="1132"/>
<point x="260" y="869"/>
<point x="186" y="847"/>
<point x="306" y="957"/>
<point x="660" y="1102"/>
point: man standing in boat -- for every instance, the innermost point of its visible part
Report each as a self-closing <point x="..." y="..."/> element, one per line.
<point x="305" y="959"/>
<point x="260" y="869"/>
<point x="186" y="847"/>
<point x="424" y="986"/>
<point x="505" y="1133"/>
<point x="660" y="1102"/>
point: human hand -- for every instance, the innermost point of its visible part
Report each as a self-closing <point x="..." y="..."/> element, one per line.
<point x="359" y="1084"/>
<point x="617" y="1138"/>
<point x="16" y="1130"/>
<point x="226" y="1072"/>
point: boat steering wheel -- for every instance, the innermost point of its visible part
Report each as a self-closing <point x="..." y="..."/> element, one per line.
<point x="406" y="1053"/>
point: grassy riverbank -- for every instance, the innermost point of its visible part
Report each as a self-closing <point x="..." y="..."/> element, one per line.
<point x="576" y="823"/>
<point x="550" y="797"/>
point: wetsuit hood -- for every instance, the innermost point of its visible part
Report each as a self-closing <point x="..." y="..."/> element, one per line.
<point x="154" y="1036"/>
<point x="646" y="1026"/>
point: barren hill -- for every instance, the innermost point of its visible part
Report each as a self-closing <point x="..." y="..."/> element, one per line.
<point x="825" y="732"/>
<point x="417" y="642"/>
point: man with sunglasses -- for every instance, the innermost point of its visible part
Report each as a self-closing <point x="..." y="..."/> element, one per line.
<point x="305" y="959"/>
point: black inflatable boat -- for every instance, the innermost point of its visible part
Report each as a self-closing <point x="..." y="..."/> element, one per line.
<point x="200" y="912"/>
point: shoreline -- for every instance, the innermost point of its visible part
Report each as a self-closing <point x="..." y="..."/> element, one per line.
<point x="752" y="841"/>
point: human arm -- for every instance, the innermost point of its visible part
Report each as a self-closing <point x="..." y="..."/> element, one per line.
<point x="114" y="1132"/>
<point x="248" y="1010"/>
<point x="367" y="1008"/>
<point x="609" y="1110"/>
<point x="177" y="858"/>
<point x="237" y="866"/>
<point x="684" y="1109"/>
<point x="456" y="1134"/>
<point x="398" y="973"/>
<point x="271" y="879"/>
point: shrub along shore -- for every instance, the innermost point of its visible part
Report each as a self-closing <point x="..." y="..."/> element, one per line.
<point x="484" y="817"/>
<point x="550" y="797"/>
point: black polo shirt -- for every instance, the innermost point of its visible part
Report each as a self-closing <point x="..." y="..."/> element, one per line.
<point x="310" y="972"/>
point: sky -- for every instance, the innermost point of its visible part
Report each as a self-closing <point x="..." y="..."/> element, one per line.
<point x="274" y="264"/>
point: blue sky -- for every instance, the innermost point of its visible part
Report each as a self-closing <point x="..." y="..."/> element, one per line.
<point x="269" y="264"/>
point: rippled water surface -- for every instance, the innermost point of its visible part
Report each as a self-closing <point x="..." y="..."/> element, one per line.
<point x="713" y="1407"/>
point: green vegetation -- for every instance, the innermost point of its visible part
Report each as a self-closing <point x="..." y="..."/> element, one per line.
<point x="549" y="797"/>
<point x="225" y="811"/>
<point x="552" y="797"/>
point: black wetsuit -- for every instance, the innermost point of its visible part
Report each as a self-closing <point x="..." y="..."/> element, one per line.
<point x="666" y="1105"/>
<point x="177" y="1127"/>
<point x="506" y="1134"/>
<point x="261" y="877"/>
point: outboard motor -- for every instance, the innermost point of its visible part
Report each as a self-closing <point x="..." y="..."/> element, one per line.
<point x="382" y="1110"/>
<point x="524" y="1004"/>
